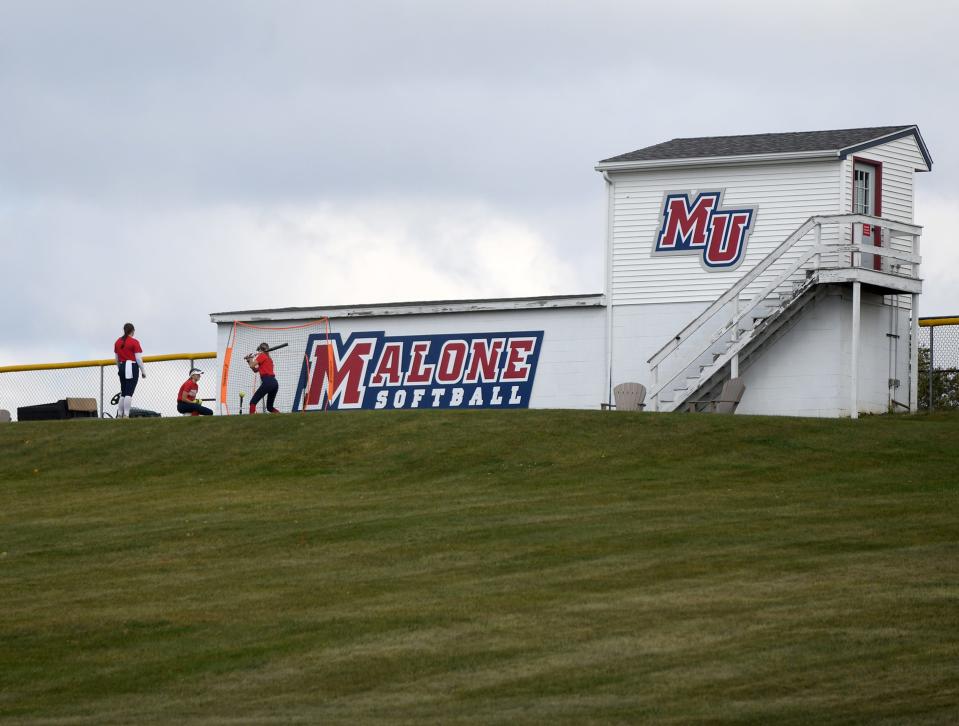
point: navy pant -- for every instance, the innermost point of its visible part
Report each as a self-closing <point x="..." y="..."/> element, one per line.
<point x="128" y="385"/>
<point x="269" y="388"/>
<point x="185" y="407"/>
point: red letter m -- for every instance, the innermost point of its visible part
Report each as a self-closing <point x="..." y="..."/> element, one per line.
<point x="345" y="383"/>
<point x="685" y="227"/>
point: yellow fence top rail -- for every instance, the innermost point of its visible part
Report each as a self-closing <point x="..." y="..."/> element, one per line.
<point x="933" y="322"/>
<point x="103" y="362"/>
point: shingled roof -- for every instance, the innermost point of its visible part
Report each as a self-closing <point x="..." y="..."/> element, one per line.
<point x="842" y="142"/>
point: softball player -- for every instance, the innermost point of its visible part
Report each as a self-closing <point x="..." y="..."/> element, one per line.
<point x="129" y="356"/>
<point x="186" y="398"/>
<point x="263" y="364"/>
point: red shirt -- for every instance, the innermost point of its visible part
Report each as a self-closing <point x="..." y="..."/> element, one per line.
<point x="188" y="391"/>
<point x="266" y="365"/>
<point x="126" y="349"/>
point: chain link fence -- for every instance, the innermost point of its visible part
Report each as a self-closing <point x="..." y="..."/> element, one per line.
<point x="938" y="385"/>
<point x="938" y="364"/>
<point x="157" y="393"/>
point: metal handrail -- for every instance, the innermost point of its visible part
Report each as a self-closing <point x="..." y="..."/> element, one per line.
<point x="742" y="313"/>
<point x="731" y="293"/>
<point x="767" y="261"/>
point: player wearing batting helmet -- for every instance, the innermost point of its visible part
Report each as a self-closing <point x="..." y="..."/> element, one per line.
<point x="263" y="364"/>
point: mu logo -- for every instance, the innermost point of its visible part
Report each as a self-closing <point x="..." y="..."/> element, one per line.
<point x="701" y="227"/>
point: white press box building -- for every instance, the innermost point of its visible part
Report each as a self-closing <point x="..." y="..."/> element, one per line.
<point x="788" y="260"/>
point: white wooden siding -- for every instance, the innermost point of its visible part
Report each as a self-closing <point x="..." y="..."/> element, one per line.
<point x="572" y="367"/>
<point x="900" y="159"/>
<point x="786" y="196"/>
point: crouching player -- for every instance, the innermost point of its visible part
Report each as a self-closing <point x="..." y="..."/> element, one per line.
<point x="186" y="399"/>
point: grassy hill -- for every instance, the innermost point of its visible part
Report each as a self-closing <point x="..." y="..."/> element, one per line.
<point x="480" y="567"/>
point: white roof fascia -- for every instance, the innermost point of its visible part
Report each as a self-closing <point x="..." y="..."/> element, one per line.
<point x="415" y="308"/>
<point x="914" y="130"/>
<point x="717" y="160"/>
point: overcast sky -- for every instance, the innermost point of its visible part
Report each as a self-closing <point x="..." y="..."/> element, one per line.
<point x="161" y="161"/>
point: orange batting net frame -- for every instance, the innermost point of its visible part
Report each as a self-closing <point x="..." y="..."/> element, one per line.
<point x="291" y="361"/>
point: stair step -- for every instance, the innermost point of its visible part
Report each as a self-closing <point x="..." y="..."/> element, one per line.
<point x="769" y="315"/>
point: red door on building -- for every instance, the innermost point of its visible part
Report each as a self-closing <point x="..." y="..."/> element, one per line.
<point x="867" y="199"/>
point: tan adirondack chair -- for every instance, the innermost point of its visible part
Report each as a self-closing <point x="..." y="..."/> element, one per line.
<point x="728" y="400"/>
<point x="630" y="396"/>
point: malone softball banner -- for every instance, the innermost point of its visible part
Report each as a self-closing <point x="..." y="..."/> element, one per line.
<point x="375" y="371"/>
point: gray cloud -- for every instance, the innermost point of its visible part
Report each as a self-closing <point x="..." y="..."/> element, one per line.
<point x="124" y="119"/>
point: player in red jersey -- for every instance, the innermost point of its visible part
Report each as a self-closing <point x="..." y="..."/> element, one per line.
<point x="186" y="398"/>
<point x="129" y="356"/>
<point x="263" y="364"/>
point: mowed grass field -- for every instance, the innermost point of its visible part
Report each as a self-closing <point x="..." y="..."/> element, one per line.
<point x="480" y="567"/>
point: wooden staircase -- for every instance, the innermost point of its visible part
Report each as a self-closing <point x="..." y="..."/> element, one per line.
<point x="759" y="308"/>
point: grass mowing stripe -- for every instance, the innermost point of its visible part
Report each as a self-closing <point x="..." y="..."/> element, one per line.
<point x="480" y="567"/>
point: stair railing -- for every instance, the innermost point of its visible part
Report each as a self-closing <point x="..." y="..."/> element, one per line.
<point x="815" y="254"/>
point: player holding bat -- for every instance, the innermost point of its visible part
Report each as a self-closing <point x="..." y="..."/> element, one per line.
<point x="261" y="363"/>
